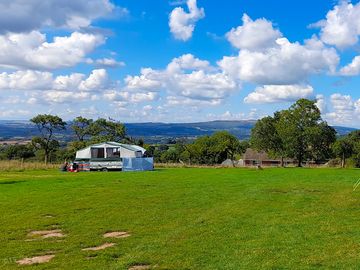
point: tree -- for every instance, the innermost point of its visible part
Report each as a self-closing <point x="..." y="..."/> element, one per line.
<point x="343" y="148"/>
<point x="354" y="138"/>
<point x="18" y="152"/>
<point x="106" y="130"/>
<point x="226" y="146"/>
<point x="82" y="127"/>
<point x="265" y="137"/>
<point x="303" y="132"/>
<point x="47" y="124"/>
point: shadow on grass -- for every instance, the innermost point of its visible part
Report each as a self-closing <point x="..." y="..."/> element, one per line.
<point x="10" y="182"/>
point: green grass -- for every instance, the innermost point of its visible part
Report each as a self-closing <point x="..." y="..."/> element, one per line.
<point x="185" y="218"/>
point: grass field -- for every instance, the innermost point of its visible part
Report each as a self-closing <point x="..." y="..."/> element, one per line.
<point x="184" y="218"/>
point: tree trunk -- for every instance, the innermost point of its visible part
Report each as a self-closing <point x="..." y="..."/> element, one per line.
<point x="46" y="158"/>
<point x="299" y="161"/>
<point x="343" y="161"/>
<point x="282" y="162"/>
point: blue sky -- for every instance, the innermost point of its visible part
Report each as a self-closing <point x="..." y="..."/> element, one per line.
<point x="179" y="61"/>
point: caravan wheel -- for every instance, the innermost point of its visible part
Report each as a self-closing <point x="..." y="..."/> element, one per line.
<point x="104" y="169"/>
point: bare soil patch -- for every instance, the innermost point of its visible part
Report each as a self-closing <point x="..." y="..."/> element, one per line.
<point x="46" y="234"/>
<point x="36" y="260"/>
<point x="116" y="235"/>
<point x="101" y="247"/>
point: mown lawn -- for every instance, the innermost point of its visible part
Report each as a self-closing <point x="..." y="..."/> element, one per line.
<point x="184" y="218"/>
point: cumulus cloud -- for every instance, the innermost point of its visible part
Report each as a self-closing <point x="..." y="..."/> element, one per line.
<point x="25" y="80"/>
<point x="19" y="16"/>
<point x="187" y="77"/>
<point x="279" y="93"/>
<point x="321" y="103"/>
<point x="30" y="80"/>
<point x="253" y="35"/>
<point x="98" y="80"/>
<point x="344" y="110"/>
<point x="182" y="23"/>
<point x="31" y="50"/>
<point x="351" y="69"/>
<point x="285" y="63"/>
<point x="342" y="25"/>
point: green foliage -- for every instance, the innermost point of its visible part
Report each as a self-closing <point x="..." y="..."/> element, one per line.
<point x="105" y="130"/>
<point x="343" y="148"/>
<point x="82" y="127"/>
<point x="265" y="136"/>
<point x="297" y="133"/>
<point x="213" y="149"/>
<point x="47" y="124"/>
<point x="18" y="152"/>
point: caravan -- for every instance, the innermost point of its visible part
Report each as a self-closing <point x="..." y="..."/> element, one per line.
<point x="113" y="156"/>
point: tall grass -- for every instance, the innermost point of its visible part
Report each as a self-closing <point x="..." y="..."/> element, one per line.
<point x="18" y="165"/>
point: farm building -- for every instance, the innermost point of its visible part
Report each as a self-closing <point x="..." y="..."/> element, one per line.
<point x="113" y="155"/>
<point x="253" y="158"/>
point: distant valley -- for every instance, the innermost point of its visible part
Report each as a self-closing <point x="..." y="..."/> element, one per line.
<point x="150" y="132"/>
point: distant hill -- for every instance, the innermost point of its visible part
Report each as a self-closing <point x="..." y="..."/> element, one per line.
<point x="152" y="132"/>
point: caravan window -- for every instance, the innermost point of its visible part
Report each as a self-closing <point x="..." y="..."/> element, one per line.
<point x="97" y="153"/>
<point x="113" y="152"/>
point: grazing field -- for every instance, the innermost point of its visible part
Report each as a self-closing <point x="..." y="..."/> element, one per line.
<point x="181" y="219"/>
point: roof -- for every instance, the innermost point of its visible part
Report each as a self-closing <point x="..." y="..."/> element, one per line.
<point x="252" y="154"/>
<point x="134" y="148"/>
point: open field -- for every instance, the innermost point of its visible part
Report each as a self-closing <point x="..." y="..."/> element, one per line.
<point x="182" y="219"/>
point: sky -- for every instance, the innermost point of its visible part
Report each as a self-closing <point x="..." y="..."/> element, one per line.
<point x="178" y="60"/>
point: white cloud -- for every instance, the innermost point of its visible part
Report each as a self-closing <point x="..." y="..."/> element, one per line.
<point x="27" y="15"/>
<point x="353" y="68"/>
<point x="98" y="80"/>
<point x="30" y="80"/>
<point x="228" y="116"/>
<point x="68" y="82"/>
<point x="279" y="93"/>
<point x="106" y="62"/>
<point x="321" y="103"/>
<point x="32" y="51"/>
<point x="5" y="113"/>
<point x="187" y="62"/>
<point x="148" y="79"/>
<point x="25" y="80"/>
<point x="342" y="25"/>
<point x="182" y="23"/>
<point x="64" y="97"/>
<point x="345" y="110"/>
<point x="285" y="63"/>
<point x="187" y="77"/>
<point x="253" y="35"/>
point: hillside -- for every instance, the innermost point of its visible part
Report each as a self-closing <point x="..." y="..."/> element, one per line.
<point x="151" y="132"/>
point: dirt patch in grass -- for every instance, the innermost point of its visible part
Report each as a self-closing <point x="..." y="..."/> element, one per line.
<point x="46" y="234"/>
<point x="116" y="235"/>
<point x="35" y="260"/>
<point x="139" y="267"/>
<point x="101" y="247"/>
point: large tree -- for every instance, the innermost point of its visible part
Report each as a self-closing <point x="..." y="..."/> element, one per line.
<point x="107" y="130"/>
<point x="82" y="127"/>
<point x="47" y="125"/>
<point x="303" y="132"/>
<point x="265" y="137"/>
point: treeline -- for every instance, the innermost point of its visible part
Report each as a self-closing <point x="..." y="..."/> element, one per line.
<point x="297" y="133"/>
<point x="47" y="147"/>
